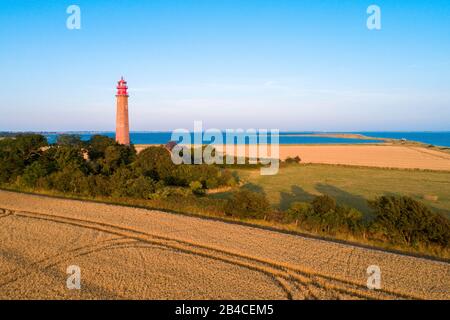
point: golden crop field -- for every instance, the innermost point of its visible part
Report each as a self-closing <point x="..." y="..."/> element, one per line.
<point x="131" y="253"/>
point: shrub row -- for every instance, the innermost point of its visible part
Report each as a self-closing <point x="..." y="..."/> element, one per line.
<point x="398" y="219"/>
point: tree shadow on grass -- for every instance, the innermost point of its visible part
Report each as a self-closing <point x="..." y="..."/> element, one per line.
<point x="221" y="195"/>
<point x="296" y="194"/>
<point x="443" y="212"/>
<point x="227" y="194"/>
<point x="253" y="187"/>
<point x="342" y="197"/>
<point x="346" y="198"/>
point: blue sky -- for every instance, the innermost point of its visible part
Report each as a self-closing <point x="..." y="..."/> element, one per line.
<point x="291" y="65"/>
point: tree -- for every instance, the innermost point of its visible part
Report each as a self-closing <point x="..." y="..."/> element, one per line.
<point x="323" y="204"/>
<point x="290" y="160"/>
<point x="407" y="221"/>
<point x="99" y="185"/>
<point x="121" y="182"/>
<point x="116" y="156"/>
<point x="69" y="140"/>
<point x="142" y="187"/>
<point x="32" y="174"/>
<point x="69" y="156"/>
<point x="17" y="153"/>
<point x="299" y="211"/>
<point x="28" y="144"/>
<point x="352" y="218"/>
<point x="324" y="214"/>
<point x="11" y="166"/>
<point x="247" y="204"/>
<point x="125" y="183"/>
<point x="156" y="163"/>
<point x="97" y="146"/>
<point x="70" y="179"/>
<point x="185" y="174"/>
<point x="197" y="188"/>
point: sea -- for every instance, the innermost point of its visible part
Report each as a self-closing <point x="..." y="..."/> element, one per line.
<point x="435" y="138"/>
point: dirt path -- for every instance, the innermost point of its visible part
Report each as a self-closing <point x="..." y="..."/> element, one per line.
<point x="136" y="253"/>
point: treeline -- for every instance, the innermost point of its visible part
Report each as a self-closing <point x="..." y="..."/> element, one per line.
<point x="398" y="220"/>
<point x="101" y="167"/>
<point x="7" y="134"/>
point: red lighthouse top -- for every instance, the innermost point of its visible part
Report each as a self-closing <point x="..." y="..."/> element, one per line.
<point x="122" y="87"/>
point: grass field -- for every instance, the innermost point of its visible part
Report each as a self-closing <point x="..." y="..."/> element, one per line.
<point x="350" y="185"/>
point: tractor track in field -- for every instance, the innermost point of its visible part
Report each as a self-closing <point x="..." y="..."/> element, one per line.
<point x="296" y="282"/>
<point x="49" y="262"/>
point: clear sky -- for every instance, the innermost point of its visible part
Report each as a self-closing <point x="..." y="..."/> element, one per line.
<point x="292" y="65"/>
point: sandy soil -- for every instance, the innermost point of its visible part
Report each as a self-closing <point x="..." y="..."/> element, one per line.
<point x="142" y="254"/>
<point x="385" y="156"/>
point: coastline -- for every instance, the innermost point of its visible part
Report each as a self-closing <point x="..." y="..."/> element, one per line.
<point x="339" y="135"/>
<point x="436" y="139"/>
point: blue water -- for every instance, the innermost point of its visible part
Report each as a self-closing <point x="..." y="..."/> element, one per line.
<point x="434" y="138"/>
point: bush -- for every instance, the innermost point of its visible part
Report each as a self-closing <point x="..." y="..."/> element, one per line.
<point x="353" y="218"/>
<point x="97" y="146"/>
<point x="70" y="180"/>
<point x="171" y="193"/>
<point x="298" y="211"/>
<point x="99" y="185"/>
<point x="156" y="163"/>
<point x="31" y="174"/>
<point x="115" y="157"/>
<point x="142" y="187"/>
<point x="325" y="215"/>
<point x="247" y="204"/>
<point x="209" y="176"/>
<point x="404" y="220"/>
<point x="69" y="156"/>
<point x="290" y="160"/>
<point x="323" y="204"/>
<point x="125" y="183"/>
<point x="69" y="140"/>
<point x="17" y="153"/>
<point x="197" y="188"/>
<point x="211" y="183"/>
<point x="226" y="178"/>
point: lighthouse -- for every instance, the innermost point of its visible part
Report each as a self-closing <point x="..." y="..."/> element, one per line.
<point x="122" y="124"/>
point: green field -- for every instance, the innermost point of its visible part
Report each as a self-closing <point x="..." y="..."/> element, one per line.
<point x="352" y="186"/>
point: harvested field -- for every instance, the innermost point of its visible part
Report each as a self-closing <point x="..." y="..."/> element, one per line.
<point x="372" y="156"/>
<point x="382" y="155"/>
<point x="141" y="254"/>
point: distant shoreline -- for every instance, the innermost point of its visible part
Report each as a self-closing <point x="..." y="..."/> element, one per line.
<point x="339" y="135"/>
<point x="438" y="139"/>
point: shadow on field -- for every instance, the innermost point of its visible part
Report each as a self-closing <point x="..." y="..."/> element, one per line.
<point x="443" y="212"/>
<point x="342" y="197"/>
<point x="296" y="194"/>
<point x="429" y="203"/>
<point x="345" y="198"/>
<point x="253" y="187"/>
<point x="227" y="194"/>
